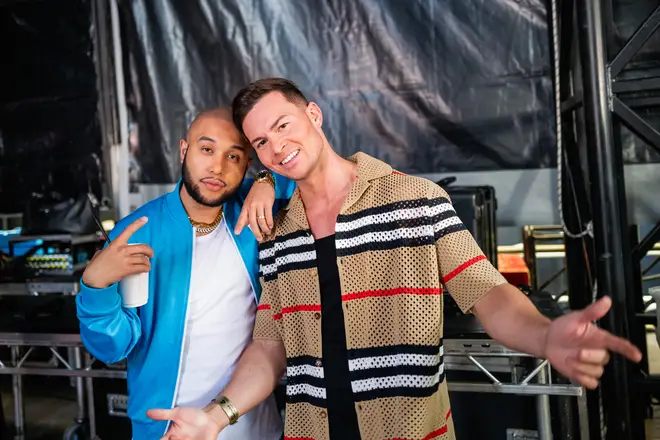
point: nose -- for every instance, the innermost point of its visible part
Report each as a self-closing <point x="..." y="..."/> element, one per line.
<point x="278" y="146"/>
<point x="216" y="165"/>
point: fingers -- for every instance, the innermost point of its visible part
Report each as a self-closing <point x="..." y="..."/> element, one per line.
<point x="622" y="346"/>
<point x="161" y="414"/>
<point x="594" y="356"/>
<point x="138" y="264"/>
<point x="585" y="368"/>
<point x="130" y="230"/>
<point x="243" y="220"/>
<point x="588" y="382"/>
<point x="254" y="223"/>
<point x="139" y="249"/>
<point x="597" y="310"/>
<point x="263" y="221"/>
<point x="269" y="218"/>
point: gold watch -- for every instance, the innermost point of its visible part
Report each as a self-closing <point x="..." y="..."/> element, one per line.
<point x="265" y="176"/>
<point x="225" y="404"/>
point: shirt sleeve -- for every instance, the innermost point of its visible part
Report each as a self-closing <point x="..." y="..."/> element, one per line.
<point x="465" y="270"/>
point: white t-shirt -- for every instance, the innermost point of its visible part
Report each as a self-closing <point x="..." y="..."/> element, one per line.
<point x="220" y="319"/>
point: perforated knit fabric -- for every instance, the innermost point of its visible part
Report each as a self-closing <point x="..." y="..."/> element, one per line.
<point x="398" y="243"/>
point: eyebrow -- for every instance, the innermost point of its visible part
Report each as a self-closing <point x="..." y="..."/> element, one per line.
<point x="272" y="127"/>
<point x="206" y="138"/>
<point x="238" y="147"/>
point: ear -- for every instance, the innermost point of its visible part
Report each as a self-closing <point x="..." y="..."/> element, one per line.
<point x="183" y="147"/>
<point x="314" y="114"/>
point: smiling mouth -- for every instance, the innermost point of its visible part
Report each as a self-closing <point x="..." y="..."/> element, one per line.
<point x="289" y="157"/>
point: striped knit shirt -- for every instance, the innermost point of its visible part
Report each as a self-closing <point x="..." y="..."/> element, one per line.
<point x="399" y="244"/>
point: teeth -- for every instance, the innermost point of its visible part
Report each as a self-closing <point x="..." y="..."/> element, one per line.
<point x="289" y="157"/>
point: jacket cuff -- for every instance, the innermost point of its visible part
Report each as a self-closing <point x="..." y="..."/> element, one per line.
<point x="99" y="299"/>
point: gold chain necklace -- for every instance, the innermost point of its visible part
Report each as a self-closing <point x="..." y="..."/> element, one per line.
<point x="205" y="228"/>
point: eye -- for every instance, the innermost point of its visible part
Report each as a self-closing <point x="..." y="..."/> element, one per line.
<point x="282" y="127"/>
<point x="207" y="149"/>
<point x="234" y="157"/>
<point x="261" y="143"/>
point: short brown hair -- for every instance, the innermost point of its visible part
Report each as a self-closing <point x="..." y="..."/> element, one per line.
<point x="248" y="97"/>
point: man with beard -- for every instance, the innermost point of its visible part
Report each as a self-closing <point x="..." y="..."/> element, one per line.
<point x="183" y="344"/>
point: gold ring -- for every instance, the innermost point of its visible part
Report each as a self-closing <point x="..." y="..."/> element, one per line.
<point x="261" y="216"/>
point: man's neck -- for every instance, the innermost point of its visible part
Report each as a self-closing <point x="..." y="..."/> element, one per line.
<point x="198" y="212"/>
<point x="333" y="176"/>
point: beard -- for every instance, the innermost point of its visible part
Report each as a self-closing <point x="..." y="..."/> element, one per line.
<point x="193" y="190"/>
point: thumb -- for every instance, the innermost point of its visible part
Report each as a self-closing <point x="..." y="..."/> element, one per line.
<point x="161" y="414"/>
<point x="597" y="310"/>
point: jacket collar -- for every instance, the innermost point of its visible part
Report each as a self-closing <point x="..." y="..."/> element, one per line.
<point x="368" y="169"/>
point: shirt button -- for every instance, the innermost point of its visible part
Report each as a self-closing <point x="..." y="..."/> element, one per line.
<point x="319" y="363"/>
<point x="317" y="315"/>
<point x="323" y="414"/>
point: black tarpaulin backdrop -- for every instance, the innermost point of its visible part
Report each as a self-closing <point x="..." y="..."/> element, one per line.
<point x="48" y="101"/>
<point x="428" y="85"/>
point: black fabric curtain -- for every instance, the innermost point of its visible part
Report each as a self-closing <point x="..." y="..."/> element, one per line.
<point x="49" y="133"/>
<point x="428" y="85"/>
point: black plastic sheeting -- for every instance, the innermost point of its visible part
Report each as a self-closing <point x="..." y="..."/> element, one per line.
<point x="48" y="102"/>
<point x="427" y="86"/>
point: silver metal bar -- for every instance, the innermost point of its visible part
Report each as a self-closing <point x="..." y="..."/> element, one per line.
<point x="61" y="359"/>
<point x="543" y="414"/>
<point x="41" y="339"/>
<point x="527" y="390"/>
<point x="121" y="190"/>
<point x="76" y="361"/>
<point x="34" y="289"/>
<point x="534" y="372"/>
<point x="89" y="388"/>
<point x="583" y="416"/>
<point x="17" y="389"/>
<point x="484" y="370"/>
<point x="459" y="366"/>
<point x="478" y="347"/>
<point x="106" y="374"/>
<point x="24" y="358"/>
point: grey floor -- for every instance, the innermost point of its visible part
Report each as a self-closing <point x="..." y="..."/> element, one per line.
<point x="50" y="403"/>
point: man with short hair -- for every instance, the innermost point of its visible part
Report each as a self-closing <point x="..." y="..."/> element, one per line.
<point x="183" y="344"/>
<point x="352" y="305"/>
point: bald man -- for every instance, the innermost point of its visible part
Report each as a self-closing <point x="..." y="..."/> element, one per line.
<point x="183" y="344"/>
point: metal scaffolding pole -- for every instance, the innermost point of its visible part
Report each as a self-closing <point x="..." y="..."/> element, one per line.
<point x="608" y="202"/>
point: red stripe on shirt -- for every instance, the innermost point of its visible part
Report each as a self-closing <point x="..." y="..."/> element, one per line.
<point x="398" y="173"/>
<point x="448" y="415"/>
<point x="392" y="292"/>
<point x="434" y="434"/>
<point x="264" y="307"/>
<point x="462" y="267"/>
<point x="297" y="438"/>
<point x="298" y="308"/>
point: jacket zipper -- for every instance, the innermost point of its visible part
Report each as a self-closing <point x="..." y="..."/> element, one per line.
<point x="185" y="330"/>
<point x="247" y="272"/>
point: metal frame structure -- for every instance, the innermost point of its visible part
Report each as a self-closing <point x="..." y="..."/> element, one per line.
<point x="595" y="103"/>
<point x="80" y="366"/>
